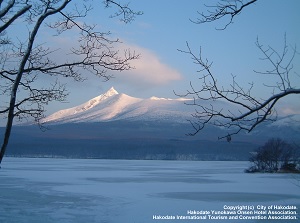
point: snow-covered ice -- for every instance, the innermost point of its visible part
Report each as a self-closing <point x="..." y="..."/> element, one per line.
<point x="70" y="190"/>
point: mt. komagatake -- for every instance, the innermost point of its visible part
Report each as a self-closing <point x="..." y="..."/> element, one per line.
<point x="112" y="106"/>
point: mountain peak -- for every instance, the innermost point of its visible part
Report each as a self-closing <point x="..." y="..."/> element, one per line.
<point x="111" y="92"/>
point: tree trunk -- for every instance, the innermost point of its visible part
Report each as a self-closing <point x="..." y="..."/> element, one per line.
<point x="19" y="75"/>
<point x="9" y="123"/>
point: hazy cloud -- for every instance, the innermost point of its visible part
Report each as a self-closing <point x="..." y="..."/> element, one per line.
<point x="149" y="69"/>
<point x="288" y="107"/>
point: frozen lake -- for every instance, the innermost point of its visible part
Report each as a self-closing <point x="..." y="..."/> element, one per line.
<point x="66" y="190"/>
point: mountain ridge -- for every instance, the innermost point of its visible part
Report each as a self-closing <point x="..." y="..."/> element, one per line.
<point x="113" y="105"/>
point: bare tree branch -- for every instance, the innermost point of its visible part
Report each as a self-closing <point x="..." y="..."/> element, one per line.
<point x="16" y="15"/>
<point x="222" y="9"/>
<point x="125" y="12"/>
<point x="246" y="111"/>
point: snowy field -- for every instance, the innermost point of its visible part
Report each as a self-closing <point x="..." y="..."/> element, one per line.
<point x="66" y="190"/>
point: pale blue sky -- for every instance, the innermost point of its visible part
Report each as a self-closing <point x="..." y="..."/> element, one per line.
<point x="165" y="27"/>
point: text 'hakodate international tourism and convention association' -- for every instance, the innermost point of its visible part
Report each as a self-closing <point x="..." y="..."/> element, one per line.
<point x="238" y="212"/>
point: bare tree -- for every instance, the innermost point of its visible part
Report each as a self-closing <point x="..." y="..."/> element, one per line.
<point x="247" y="109"/>
<point x="274" y="155"/>
<point x="24" y="62"/>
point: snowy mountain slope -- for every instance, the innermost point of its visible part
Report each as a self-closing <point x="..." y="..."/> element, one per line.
<point x="64" y="114"/>
<point x="291" y="120"/>
<point x="112" y="106"/>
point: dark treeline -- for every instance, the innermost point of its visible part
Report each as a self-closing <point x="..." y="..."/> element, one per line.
<point x="133" y="149"/>
<point x="138" y="140"/>
<point x="120" y="140"/>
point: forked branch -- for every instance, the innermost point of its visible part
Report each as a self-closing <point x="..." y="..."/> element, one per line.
<point x="223" y="8"/>
<point x="243" y="110"/>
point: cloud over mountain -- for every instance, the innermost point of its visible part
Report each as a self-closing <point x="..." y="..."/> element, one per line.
<point x="149" y="69"/>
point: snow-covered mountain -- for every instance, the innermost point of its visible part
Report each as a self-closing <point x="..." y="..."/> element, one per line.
<point x="287" y="121"/>
<point x="112" y="106"/>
